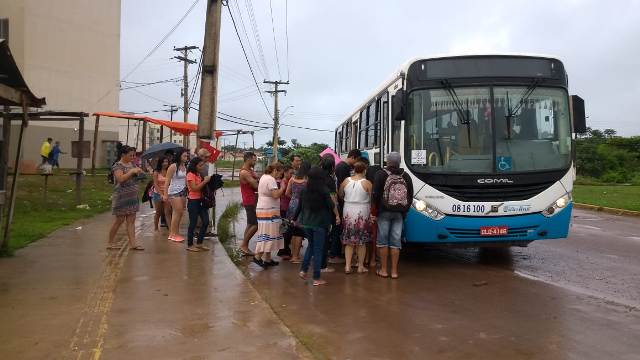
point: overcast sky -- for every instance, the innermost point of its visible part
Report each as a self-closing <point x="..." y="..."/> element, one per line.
<point x="339" y="51"/>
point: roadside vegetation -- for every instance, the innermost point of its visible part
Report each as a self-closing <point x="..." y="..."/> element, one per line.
<point x="225" y="230"/>
<point x="608" y="168"/>
<point x="34" y="219"/>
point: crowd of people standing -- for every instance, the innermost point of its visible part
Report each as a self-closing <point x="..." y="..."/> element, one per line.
<point x="180" y="182"/>
<point x="350" y="209"/>
<point x="350" y="213"/>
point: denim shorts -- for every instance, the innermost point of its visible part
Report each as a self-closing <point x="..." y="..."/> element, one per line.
<point x="156" y="197"/>
<point x="390" y="229"/>
<point x="182" y="193"/>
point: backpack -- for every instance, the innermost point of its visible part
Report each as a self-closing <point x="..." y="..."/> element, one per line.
<point x="209" y="191"/>
<point x="394" y="195"/>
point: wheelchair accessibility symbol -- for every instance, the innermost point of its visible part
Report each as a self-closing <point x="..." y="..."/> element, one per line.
<point x="504" y="163"/>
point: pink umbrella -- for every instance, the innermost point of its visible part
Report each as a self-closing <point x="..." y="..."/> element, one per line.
<point x="336" y="157"/>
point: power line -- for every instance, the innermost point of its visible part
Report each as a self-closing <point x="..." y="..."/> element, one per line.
<point x="197" y="79"/>
<point x="275" y="44"/>
<point x="256" y="35"/>
<point x="247" y="59"/>
<point x="153" y="50"/>
<point x="244" y="31"/>
<point x="286" y="32"/>
<point x="152" y="97"/>
<point x="139" y="85"/>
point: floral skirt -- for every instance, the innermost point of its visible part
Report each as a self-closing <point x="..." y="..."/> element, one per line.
<point x="356" y="224"/>
<point x="269" y="235"/>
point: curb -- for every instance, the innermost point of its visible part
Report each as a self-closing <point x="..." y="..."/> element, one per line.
<point x="608" y="210"/>
<point x="301" y="350"/>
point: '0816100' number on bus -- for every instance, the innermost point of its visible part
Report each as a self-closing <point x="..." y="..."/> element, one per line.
<point x="467" y="208"/>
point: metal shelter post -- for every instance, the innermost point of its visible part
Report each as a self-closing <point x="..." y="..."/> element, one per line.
<point x="235" y="150"/>
<point x="95" y="145"/>
<point x="79" y="164"/>
<point x="16" y="170"/>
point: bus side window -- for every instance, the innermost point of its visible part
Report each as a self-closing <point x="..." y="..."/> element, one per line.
<point x="362" y="127"/>
<point x="385" y="123"/>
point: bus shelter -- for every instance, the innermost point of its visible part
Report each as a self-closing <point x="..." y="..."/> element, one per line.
<point x="13" y="92"/>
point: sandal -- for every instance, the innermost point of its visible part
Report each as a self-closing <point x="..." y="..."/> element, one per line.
<point x="114" y="247"/>
<point x="271" y="263"/>
<point x="245" y="252"/>
<point x="347" y="271"/>
<point x="203" y="247"/>
<point x="137" y="247"/>
<point x="319" y="282"/>
<point x="363" y="271"/>
<point x="382" y="275"/>
<point x="394" y="277"/>
<point x="303" y="275"/>
<point x="296" y="261"/>
<point x="192" y="248"/>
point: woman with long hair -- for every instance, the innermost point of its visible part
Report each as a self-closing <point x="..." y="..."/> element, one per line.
<point x="125" y="202"/>
<point x="315" y="216"/>
<point x="159" y="181"/>
<point x="356" y="218"/>
<point x="268" y="214"/>
<point x="195" y="184"/>
<point x="176" y="192"/>
<point x="294" y="188"/>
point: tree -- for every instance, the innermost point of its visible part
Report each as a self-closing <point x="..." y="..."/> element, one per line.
<point x="295" y="143"/>
<point x="281" y="142"/>
<point x="609" y="133"/>
<point x="595" y="133"/>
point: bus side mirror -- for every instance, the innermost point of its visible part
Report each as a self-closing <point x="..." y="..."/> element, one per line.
<point x="577" y="114"/>
<point x="397" y="103"/>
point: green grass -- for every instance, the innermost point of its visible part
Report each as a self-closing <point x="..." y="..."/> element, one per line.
<point x="614" y="196"/>
<point x="225" y="233"/>
<point x="34" y="219"/>
<point x="228" y="164"/>
<point x="229" y="183"/>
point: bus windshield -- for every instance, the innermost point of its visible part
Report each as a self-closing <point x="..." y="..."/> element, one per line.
<point x="452" y="131"/>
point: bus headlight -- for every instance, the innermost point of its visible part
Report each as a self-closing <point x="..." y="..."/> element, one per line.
<point x="557" y="205"/>
<point x="428" y="210"/>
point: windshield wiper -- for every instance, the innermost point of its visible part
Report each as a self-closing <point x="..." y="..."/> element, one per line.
<point x="461" y="112"/>
<point x="523" y="98"/>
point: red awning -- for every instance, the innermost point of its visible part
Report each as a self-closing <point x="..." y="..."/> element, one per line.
<point x="179" y="127"/>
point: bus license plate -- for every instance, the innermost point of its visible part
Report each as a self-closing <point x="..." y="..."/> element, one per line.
<point x="494" y="230"/>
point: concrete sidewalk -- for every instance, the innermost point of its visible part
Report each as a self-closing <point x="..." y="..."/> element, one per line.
<point x="67" y="297"/>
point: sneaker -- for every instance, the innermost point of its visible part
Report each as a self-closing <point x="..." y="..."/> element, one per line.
<point x="335" y="260"/>
<point x="319" y="282"/>
<point x="271" y="263"/>
<point x="327" y="270"/>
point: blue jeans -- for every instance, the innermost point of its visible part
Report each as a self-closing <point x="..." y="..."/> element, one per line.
<point x="390" y="229"/>
<point x="196" y="210"/>
<point x="316" y="237"/>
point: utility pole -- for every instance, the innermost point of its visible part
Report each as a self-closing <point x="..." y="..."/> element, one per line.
<point x="276" y="114"/>
<point x="172" y="109"/>
<point x="209" y="78"/>
<point x="185" y="84"/>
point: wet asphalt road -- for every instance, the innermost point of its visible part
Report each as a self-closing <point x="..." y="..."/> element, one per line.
<point x="577" y="298"/>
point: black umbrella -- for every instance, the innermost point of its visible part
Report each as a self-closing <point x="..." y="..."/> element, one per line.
<point x="159" y="149"/>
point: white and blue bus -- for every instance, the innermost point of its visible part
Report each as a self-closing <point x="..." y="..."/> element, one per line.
<point x="487" y="141"/>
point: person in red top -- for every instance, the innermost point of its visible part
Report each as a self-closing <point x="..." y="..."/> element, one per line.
<point x="285" y="253"/>
<point x="195" y="183"/>
<point x="248" y="188"/>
